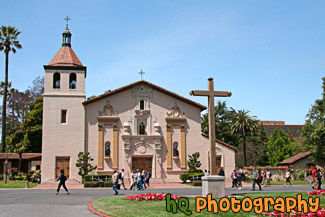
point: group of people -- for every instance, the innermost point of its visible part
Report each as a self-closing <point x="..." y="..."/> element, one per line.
<point x="138" y="180"/>
<point x="316" y="178"/>
<point x="236" y="177"/>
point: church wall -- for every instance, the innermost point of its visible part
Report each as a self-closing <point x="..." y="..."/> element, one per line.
<point x="62" y="140"/>
<point x="160" y="104"/>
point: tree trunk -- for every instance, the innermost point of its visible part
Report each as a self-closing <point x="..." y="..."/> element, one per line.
<point x="244" y="148"/>
<point x="4" y="105"/>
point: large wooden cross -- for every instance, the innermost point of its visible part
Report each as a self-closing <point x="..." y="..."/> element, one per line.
<point x="210" y="93"/>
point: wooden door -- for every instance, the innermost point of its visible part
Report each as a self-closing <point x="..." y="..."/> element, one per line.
<point x="142" y="163"/>
<point x="218" y="163"/>
<point x="63" y="163"/>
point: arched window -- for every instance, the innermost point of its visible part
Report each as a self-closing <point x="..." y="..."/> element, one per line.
<point x="73" y="81"/>
<point x="107" y="149"/>
<point x="175" y="149"/>
<point x="142" y="104"/>
<point x="56" y="80"/>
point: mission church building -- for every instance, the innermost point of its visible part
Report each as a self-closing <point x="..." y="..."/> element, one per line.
<point x="137" y="126"/>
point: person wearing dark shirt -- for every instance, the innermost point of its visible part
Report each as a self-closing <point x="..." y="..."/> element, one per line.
<point x="221" y="172"/>
<point x="62" y="178"/>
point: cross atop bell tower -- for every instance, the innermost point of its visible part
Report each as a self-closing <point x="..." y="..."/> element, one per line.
<point x="66" y="35"/>
<point x="67" y="19"/>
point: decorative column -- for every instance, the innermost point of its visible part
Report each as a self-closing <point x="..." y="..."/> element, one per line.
<point x="169" y="147"/>
<point x="100" y="146"/>
<point x="115" y="147"/>
<point x="183" y="147"/>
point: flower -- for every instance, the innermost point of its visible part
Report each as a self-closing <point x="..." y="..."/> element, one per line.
<point x="150" y="197"/>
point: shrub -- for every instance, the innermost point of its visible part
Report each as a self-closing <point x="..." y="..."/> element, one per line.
<point x="197" y="183"/>
<point x="108" y="184"/>
<point x="36" y="177"/>
<point x="1" y="177"/>
<point x="183" y="177"/>
<point x="96" y="184"/>
<point x="88" y="178"/>
<point x="31" y="172"/>
<point x="188" y="176"/>
<point x="91" y="184"/>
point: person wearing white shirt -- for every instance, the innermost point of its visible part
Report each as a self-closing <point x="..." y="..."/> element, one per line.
<point x="268" y="178"/>
<point x="288" y="177"/>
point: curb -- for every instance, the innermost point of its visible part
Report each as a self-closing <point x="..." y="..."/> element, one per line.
<point x="90" y="207"/>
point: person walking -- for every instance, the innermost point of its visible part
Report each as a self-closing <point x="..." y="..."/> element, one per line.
<point x="268" y="178"/>
<point x="121" y="178"/>
<point x="115" y="181"/>
<point x="139" y="181"/>
<point x="143" y="178"/>
<point x="239" y="177"/>
<point x="314" y="175"/>
<point x="256" y="175"/>
<point x="62" y="178"/>
<point x="131" y="180"/>
<point x="319" y="179"/>
<point x="234" y="179"/>
<point x="148" y="176"/>
<point x="288" y="177"/>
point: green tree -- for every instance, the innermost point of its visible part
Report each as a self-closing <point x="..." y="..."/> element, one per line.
<point x="223" y="119"/>
<point x="84" y="165"/>
<point x="244" y="125"/>
<point x="256" y="149"/>
<point x="28" y="137"/>
<point x="193" y="162"/>
<point x="8" y="42"/>
<point x="279" y="147"/>
<point x="312" y="132"/>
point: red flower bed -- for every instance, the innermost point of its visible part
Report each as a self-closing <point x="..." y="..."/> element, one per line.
<point x="318" y="192"/>
<point x="294" y="213"/>
<point x="150" y="197"/>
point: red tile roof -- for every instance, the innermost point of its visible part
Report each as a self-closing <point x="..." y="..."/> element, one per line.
<point x="202" y="107"/>
<point x="221" y="142"/>
<point x="295" y="158"/>
<point x="65" y="57"/>
<point x="267" y="167"/>
<point x="16" y="156"/>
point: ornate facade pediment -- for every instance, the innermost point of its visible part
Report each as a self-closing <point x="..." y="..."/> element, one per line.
<point x="175" y="112"/>
<point x="107" y="110"/>
<point x="141" y="91"/>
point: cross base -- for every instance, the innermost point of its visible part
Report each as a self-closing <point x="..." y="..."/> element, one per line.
<point x="214" y="185"/>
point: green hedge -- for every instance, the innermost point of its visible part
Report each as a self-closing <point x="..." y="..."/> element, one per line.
<point x="95" y="184"/>
<point x="88" y="178"/>
<point x="187" y="176"/>
<point x="197" y="183"/>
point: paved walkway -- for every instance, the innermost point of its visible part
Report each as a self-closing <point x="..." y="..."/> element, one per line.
<point x="44" y="202"/>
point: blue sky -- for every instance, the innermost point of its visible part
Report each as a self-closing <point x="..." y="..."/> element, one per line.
<point x="269" y="54"/>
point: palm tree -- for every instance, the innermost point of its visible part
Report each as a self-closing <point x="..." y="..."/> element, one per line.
<point x="8" y="42"/>
<point x="245" y="125"/>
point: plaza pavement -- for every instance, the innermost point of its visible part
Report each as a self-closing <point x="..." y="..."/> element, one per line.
<point x="43" y="202"/>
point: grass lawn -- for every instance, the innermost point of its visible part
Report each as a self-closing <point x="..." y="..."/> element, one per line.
<point x="16" y="184"/>
<point x="293" y="182"/>
<point x="118" y="206"/>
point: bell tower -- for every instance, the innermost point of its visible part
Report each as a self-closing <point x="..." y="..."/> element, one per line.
<point x="63" y="112"/>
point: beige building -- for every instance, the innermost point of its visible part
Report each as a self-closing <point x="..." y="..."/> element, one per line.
<point x="137" y="126"/>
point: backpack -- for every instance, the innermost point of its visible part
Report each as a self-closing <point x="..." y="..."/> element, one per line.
<point x="259" y="176"/>
<point x="120" y="176"/>
<point x="270" y="174"/>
